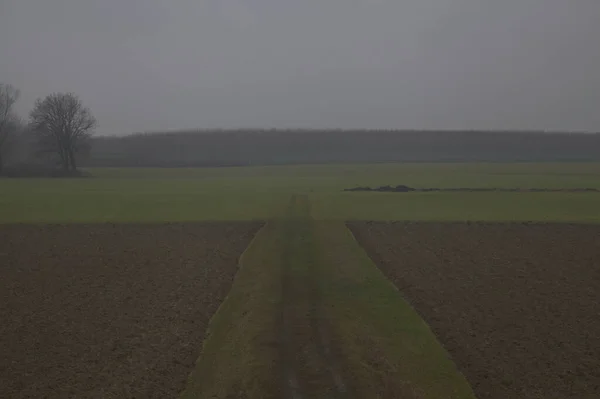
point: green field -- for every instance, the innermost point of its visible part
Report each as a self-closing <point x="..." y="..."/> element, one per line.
<point x="154" y="195"/>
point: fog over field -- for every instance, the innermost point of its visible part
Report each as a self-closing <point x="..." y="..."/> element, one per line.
<point x="149" y="65"/>
<point x="216" y="199"/>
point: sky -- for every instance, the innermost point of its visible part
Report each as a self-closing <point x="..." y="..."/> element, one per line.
<point x="156" y="65"/>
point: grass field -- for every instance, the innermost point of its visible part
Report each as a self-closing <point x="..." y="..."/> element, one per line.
<point x="309" y="313"/>
<point x="259" y="193"/>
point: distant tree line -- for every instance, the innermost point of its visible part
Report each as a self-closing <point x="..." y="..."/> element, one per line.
<point x="276" y="147"/>
<point x="55" y="137"/>
<point x="58" y="137"/>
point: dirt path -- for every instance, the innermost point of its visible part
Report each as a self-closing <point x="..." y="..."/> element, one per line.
<point x="309" y="366"/>
<point x="310" y="316"/>
<point x="343" y="331"/>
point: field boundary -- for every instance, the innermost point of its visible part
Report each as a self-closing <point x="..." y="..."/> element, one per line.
<point x="240" y="354"/>
<point x="389" y="350"/>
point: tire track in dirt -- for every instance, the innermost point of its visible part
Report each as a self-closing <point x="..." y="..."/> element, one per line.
<point x="289" y="368"/>
<point x="309" y="366"/>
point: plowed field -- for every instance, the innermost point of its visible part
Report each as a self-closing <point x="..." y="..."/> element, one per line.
<point x="103" y="311"/>
<point x="516" y="305"/>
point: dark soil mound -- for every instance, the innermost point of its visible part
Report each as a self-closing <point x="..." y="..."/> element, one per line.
<point x="406" y="189"/>
<point x="394" y="189"/>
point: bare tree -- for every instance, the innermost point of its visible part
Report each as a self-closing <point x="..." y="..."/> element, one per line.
<point x="9" y="122"/>
<point x="62" y="126"/>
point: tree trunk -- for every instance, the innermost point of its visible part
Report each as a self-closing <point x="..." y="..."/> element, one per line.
<point x="65" y="162"/>
<point x="64" y="156"/>
<point x="72" y="162"/>
<point x="1" y="163"/>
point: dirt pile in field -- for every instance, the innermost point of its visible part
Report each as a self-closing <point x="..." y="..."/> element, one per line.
<point x="517" y="306"/>
<point x="110" y="310"/>
<point x="406" y="189"/>
<point x="393" y="189"/>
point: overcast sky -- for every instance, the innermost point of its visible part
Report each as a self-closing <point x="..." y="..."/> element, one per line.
<point x="148" y="65"/>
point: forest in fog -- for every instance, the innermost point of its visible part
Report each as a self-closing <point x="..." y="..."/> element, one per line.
<point x="273" y="147"/>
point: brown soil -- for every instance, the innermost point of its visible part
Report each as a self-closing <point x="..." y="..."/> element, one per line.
<point x="110" y="311"/>
<point x="516" y="305"/>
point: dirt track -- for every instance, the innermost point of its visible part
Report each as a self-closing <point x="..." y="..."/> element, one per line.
<point x="309" y="365"/>
<point x="517" y="306"/>
<point x="103" y="311"/>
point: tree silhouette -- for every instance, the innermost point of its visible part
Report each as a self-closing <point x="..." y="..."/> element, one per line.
<point x="9" y="121"/>
<point x="62" y="126"/>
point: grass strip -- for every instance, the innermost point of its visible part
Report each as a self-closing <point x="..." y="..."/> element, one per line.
<point x="240" y="354"/>
<point x="388" y="350"/>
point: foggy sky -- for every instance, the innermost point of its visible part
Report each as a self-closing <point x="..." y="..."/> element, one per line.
<point x="429" y="64"/>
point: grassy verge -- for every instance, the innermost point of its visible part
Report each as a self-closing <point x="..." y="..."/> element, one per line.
<point x="388" y="350"/>
<point x="240" y="354"/>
